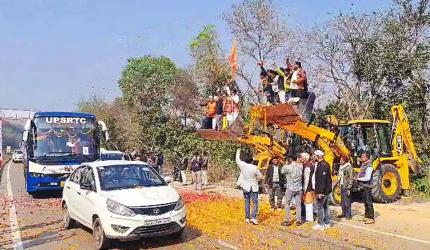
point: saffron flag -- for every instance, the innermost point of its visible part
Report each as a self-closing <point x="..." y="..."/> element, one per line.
<point x="233" y="59"/>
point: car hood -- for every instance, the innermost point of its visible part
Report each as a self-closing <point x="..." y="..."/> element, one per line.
<point x="143" y="196"/>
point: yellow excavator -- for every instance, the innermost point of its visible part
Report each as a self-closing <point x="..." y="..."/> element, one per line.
<point x="270" y="129"/>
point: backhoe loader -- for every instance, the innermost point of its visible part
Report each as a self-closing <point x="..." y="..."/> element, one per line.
<point x="271" y="128"/>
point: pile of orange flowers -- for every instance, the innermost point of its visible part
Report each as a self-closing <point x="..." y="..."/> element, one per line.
<point x="223" y="218"/>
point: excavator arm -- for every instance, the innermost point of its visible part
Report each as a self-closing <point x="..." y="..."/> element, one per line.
<point x="402" y="138"/>
<point x="287" y="118"/>
<point x="284" y="117"/>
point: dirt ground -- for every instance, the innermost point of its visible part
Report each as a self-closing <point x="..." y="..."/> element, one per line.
<point x="404" y="224"/>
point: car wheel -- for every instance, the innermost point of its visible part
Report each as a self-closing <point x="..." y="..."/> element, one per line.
<point x="178" y="234"/>
<point x="101" y="240"/>
<point x="67" y="221"/>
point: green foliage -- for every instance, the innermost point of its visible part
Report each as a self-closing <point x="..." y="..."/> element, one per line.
<point x="146" y="81"/>
<point x="336" y="108"/>
<point x="209" y="62"/>
<point x="207" y="35"/>
<point x="421" y="183"/>
<point x="147" y="117"/>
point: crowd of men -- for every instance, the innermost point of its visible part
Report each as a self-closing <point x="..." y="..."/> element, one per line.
<point x="304" y="182"/>
<point x="199" y="169"/>
<point x="287" y="84"/>
<point x="284" y="84"/>
<point x="155" y="160"/>
<point x="222" y="109"/>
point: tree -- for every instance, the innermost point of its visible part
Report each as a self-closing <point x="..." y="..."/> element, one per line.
<point x="373" y="61"/>
<point x="210" y="66"/>
<point x="185" y="97"/>
<point x="337" y="49"/>
<point x="260" y="32"/>
<point x="117" y="118"/>
<point x="145" y="83"/>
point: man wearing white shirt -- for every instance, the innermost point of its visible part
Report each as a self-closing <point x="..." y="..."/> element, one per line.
<point x="248" y="181"/>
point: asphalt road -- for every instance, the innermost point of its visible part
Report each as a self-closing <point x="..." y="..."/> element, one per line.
<point x="28" y="222"/>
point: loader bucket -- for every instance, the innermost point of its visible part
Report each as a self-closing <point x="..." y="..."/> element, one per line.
<point x="287" y="113"/>
<point x="232" y="133"/>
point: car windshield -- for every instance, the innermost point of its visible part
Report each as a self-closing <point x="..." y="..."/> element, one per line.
<point x="115" y="177"/>
<point x="18" y="152"/>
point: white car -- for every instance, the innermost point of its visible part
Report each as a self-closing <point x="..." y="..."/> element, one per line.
<point x="122" y="200"/>
<point x="17" y="156"/>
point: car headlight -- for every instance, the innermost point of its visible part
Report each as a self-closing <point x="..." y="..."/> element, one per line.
<point x="179" y="204"/>
<point x="36" y="175"/>
<point x="118" y="208"/>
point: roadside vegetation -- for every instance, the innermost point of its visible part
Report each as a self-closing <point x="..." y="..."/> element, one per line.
<point x="359" y="65"/>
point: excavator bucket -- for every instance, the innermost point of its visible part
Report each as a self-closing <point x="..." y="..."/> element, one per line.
<point x="287" y="113"/>
<point x="232" y="133"/>
<point x="280" y="114"/>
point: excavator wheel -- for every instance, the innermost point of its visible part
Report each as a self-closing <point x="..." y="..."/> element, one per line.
<point x="386" y="185"/>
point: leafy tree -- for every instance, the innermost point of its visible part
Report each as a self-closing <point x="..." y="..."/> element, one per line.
<point x="210" y="64"/>
<point x="185" y="97"/>
<point x="260" y="32"/>
<point x="145" y="83"/>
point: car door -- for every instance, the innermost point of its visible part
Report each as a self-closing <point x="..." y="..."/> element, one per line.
<point x="71" y="193"/>
<point x="88" y="196"/>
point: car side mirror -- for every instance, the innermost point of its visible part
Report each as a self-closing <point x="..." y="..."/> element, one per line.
<point x="86" y="186"/>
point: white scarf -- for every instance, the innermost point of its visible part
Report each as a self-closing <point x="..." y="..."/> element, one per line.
<point x="313" y="176"/>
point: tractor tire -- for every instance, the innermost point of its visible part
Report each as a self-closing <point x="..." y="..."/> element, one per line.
<point x="386" y="184"/>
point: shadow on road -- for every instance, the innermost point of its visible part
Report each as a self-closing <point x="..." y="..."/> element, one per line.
<point x="47" y="195"/>
<point x="188" y="235"/>
<point x="39" y="225"/>
<point x="145" y="243"/>
<point x="43" y="238"/>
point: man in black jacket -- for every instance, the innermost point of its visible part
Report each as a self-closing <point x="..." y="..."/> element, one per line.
<point x="273" y="181"/>
<point x="321" y="180"/>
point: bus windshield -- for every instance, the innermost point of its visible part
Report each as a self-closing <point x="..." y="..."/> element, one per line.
<point x="64" y="136"/>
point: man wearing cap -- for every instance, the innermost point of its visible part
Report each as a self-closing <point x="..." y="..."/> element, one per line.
<point x="321" y="179"/>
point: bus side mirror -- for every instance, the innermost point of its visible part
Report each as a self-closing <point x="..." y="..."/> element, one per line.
<point x="104" y="129"/>
<point x="25" y="136"/>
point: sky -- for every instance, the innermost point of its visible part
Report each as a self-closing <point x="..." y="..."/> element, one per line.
<point x="55" y="53"/>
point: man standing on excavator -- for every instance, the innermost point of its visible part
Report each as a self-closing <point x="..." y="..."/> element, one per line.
<point x="299" y="82"/>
